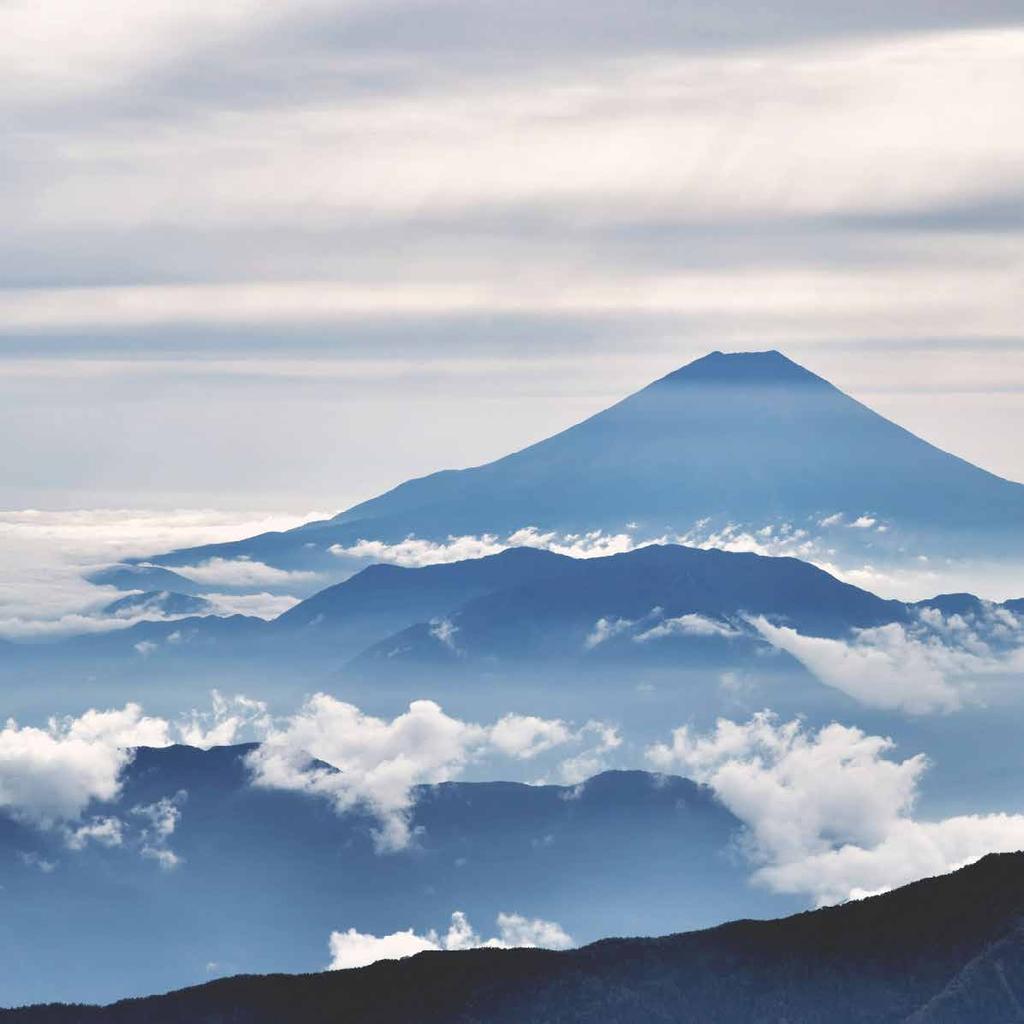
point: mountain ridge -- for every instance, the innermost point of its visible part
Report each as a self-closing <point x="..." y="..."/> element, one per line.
<point x="888" y="959"/>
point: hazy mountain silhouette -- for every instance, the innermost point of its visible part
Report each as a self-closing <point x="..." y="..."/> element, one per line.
<point x="143" y="577"/>
<point x="266" y="875"/>
<point x="555" y="614"/>
<point x="940" y="951"/>
<point x="157" y="604"/>
<point x="747" y="437"/>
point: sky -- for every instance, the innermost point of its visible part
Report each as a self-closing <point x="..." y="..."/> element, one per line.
<point x="283" y="256"/>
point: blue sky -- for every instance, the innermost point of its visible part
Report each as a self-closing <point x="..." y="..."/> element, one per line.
<point x="287" y="255"/>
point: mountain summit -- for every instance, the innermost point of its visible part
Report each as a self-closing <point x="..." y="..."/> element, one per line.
<point x="746" y="438"/>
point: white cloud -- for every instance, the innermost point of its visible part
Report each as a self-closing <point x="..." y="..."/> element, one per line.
<point x="443" y="631"/>
<point x="262" y="604"/>
<point x="594" y="758"/>
<point x="161" y="819"/>
<point x="375" y="764"/>
<point x="355" y="949"/>
<point x="31" y="859"/>
<point x="688" y="625"/>
<point x="931" y="664"/>
<point x="106" y="831"/>
<point x="224" y="723"/>
<point x="242" y="572"/>
<point x="526" y="736"/>
<point x="46" y="553"/>
<point x="415" y="551"/>
<point x="863" y="523"/>
<point x="654" y="626"/>
<point x="828" y="812"/>
<point x="606" y="628"/>
<point x="52" y="774"/>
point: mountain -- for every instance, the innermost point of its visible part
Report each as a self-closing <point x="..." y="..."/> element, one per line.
<point x="746" y="438"/>
<point x="157" y="604"/>
<point x="264" y="876"/>
<point x="126" y="576"/>
<point x="944" y="950"/>
<point x="384" y="599"/>
<point x="676" y="601"/>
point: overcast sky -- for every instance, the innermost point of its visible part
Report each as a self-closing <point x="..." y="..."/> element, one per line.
<point x="285" y="255"/>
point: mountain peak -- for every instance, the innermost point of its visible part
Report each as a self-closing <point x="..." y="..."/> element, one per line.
<point x="748" y="368"/>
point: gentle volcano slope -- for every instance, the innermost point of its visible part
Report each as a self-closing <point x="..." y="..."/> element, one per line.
<point x="750" y="437"/>
<point x="944" y="950"/>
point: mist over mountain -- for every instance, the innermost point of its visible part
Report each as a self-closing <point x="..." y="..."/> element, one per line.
<point x="157" y="604"/>
<point x="944" y="950"/>
<point x="750" y="438"/>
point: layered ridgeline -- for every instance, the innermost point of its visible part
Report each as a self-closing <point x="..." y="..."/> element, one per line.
<point x="748" y="438"/>
<point x="211" y="874"/>
<point x="945" y="951"/>
<point x="526" y="605"/>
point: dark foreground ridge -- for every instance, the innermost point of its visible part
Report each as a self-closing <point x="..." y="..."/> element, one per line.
<point x="944" y="950"/>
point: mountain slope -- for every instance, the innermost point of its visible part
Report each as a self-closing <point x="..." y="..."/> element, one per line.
<point x="748" y="437"/>
<point x="891" y="959"/>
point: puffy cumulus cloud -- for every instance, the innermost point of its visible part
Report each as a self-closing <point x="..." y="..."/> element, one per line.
<point x="53" y="773"/>
<point x="368" y="761"/>
<point x="333" y="749"/>
<point x="828" y="813"/>
<point x="355" y="949"/>
<point x="931" y="664"/>
<point x="527" y="736"/>
<point x="242" y="572"/>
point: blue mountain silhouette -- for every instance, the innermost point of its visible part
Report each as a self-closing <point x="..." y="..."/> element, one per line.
<point x="748" y="437"/>
<point x="266" y="875"/>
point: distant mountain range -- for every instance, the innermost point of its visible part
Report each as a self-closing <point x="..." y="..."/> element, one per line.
<point x="266" y="875"/>
<point x="525" y="606"/>
<point x="747" y="438"/>
<point x="948" y="950"/>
